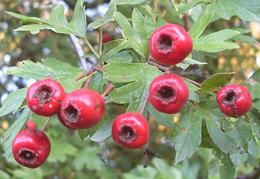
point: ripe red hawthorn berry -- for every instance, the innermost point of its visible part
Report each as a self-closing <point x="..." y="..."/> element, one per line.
<point x="30" y="124"/>
<point x="168" y="93"/>
<point x="107" y="38"/>
<point x="31" y="147"/>
<point x="170" y="44"/>
<point x="130" y="130"/>
<point x="234" y="100"/>
<point x="44" y="97"/>
<point x="81" y="109"/>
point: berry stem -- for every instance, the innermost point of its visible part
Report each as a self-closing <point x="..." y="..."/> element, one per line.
<point x="90" y="72"/>
<point x="193" y="82"/>
<point x="91" y="48"/>
<point x="185" y="19"/>
<point x="100" y="40"/>
<point x="159" y="66"/>
<point x="46" y="124"/>
<point x="144" y="102"/>
<point x="108" y="89"/>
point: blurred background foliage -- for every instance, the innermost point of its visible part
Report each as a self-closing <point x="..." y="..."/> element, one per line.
<point x="71" y="158"/>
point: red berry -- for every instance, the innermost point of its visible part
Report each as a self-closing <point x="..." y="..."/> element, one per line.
<point x="44" y="97"/>
<point x="82" y="109"/>
<point x="107" y="38"/>
<point x="168" y="93"/>
<point x="234" y="100"/>
<point x="30" y="124"/>
<point x="130" y="130"/>
<point x="170" y="44"/>
<point x="31" y="147"/>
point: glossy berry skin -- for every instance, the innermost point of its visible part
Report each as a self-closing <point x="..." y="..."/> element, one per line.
<point x="170" y="44"/>
<point x="234" y="100"/>
<point x="81" y="109"/>
<point x="44" y="97"/>
<point x="31" y="147"/>
<point x="168" y="93"/>
<point x="30" y="124"/>
<point x="130" y="130"/>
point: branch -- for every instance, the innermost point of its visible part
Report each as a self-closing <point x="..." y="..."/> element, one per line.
<point x="143" y="105"/>
<point x="159" y="66"/>
<point x="46" y="124"/>
<point x="108" y="89"/>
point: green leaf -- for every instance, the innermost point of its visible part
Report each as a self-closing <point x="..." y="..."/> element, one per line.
<point x="49" y="67"/>
<point x="103" y="132"/>
<point x="189" y="5"/>
<point x="4" y="175"/>
<point x="238" y="158"/>
<point x="221" y="139"/>
<point x="255" y="123"/>
<point x="192" y="91"/>
<point x="134" y="39"/>
<point x="130" y="72"/>
<point x="253" y="147"/>
<point x="58" y="155"/>
<point x="87" y="158"/>
<point x="13" y="102"/>
<point x="216" y="42"/>
<point x="188" y="135"/>
<point x="161" y="118"/>
<point x="227" y="170"/>
<point x="200" y="25"/>
<point x="256" y="75"/>
<point x="187" y="62"/>
<point x="246" y="10"/>
<point x="130" y="2"/>
<point x="57" y="21"/>
<point x="109" y="16"/>
<point x="124" y="94"/>
<point x="216" y="80"/>
<point x="13" y="130"/>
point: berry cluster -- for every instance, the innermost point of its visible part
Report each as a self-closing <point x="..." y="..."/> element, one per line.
<point x="84" y="108"/>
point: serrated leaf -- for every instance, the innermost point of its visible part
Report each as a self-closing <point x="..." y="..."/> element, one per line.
<point x="200" y="25"/>
<point x="221" y="139"/>
<point x="13" y="130"/>
<point x="246" y="10"/>
<point x="216" y="80"/>
<point x="133" y="38"/>
<point x="188" y="135"/>
<point x="130" y="72"/>
<point x="49" y="67"/>
<point x="161" y="118"/>
<point x="216" y="42"/>
<point x="109" y="16"/>
<point x="13" y="102"/>
<point x="256" y="75"/>
<point x="57" y="21"/>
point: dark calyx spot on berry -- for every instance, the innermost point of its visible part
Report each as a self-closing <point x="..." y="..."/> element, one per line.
<point x="166" y="94"/>
<point x="165" y="43"/>
<point x="71" y="113"/>
<point x="44" y="94"/>
<point x="127" y="134"/>
<point x="230" y="97"/>
<point x="27" y="155"/>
